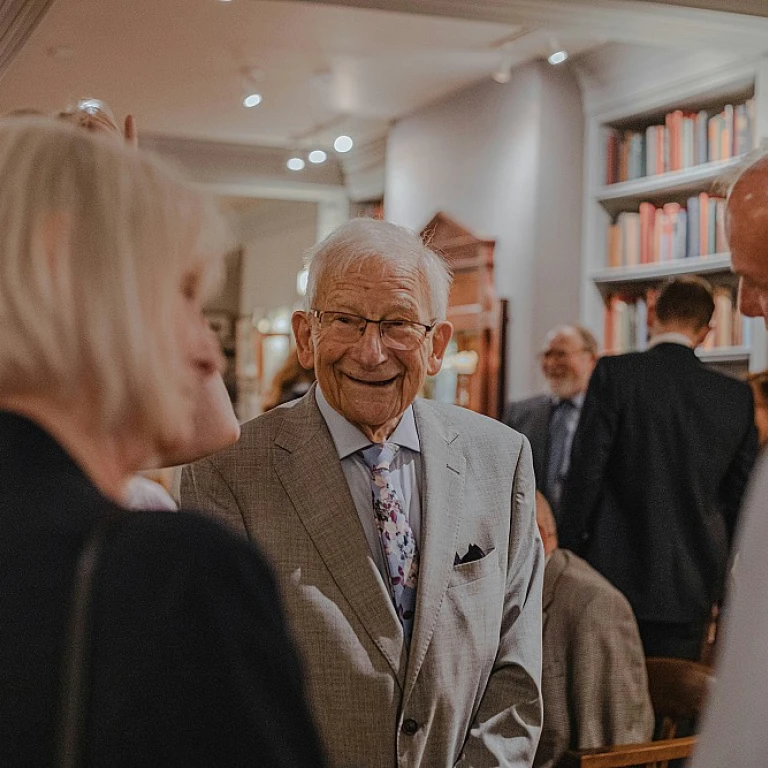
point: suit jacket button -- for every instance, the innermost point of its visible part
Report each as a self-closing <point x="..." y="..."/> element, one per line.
<point x="410" y="727"/>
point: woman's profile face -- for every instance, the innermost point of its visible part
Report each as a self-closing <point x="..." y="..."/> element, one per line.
<point x="198" y="346"/>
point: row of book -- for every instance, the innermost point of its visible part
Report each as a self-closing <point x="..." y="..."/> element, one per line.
<point x="669" y="232"/>
<point x="684" y="140"/>
<point x="628" y="319"/>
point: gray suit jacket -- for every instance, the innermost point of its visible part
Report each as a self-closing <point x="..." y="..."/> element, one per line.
<point x="531" y="417"/>
<point x="594" y="680"/>
<point x="468" y="693"/>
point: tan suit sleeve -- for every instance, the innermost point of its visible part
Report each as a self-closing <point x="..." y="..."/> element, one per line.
<point x="609" y="683"/>
<point x="507" y="726"/>
<point x="204" y="489"/>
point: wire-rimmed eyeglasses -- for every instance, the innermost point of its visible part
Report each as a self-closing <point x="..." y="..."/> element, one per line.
<point x="395" y="334"/>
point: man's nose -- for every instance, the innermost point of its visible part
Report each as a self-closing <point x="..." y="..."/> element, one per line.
<point x="370" y="348"/>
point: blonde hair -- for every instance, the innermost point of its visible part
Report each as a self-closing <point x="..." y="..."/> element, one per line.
<point x="95" y="241"/>
<point x="361" y="240"/>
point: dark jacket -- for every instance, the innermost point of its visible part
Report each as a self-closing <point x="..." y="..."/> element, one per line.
<point x="531" y="417"/>
<point x="660" y="461"/>
<point x="191" y="664"/>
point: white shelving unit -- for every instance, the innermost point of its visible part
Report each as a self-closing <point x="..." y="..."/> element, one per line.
<point x="603" y="202"/>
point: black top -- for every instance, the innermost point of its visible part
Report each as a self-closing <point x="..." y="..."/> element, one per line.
<point x="660" y="461"/>
<point x="191" y="664"/>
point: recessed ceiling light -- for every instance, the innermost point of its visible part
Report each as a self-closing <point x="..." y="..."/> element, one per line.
<point x="502" y="75"/>
<point x="295" y="164"/>
<point x="558" y="57"/>
<point x="317" y="156"/>
<point x="343" y="144"/>
<point x="252" y="100"/>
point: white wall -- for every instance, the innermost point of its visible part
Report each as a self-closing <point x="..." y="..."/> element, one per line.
<point x="275" y="233"/>
<point x="505" y="161"/>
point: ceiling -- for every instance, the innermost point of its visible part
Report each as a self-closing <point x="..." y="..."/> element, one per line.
<point x="342" y="66"/>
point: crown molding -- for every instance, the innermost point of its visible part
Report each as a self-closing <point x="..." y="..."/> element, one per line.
<point x="629" y="21"/>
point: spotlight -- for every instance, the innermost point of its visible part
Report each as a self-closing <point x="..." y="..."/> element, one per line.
<point x="343" y="144"/>
<point x="317" y="156"/>
<point x="558" y="57"/>
<point x="502" y="75"/>
<point x="295" y="164"/>
<point x="252" y="100"/>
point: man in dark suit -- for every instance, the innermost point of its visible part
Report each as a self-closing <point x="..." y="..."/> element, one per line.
<point x="660" y="461"/>
<point x="549" y="421"/>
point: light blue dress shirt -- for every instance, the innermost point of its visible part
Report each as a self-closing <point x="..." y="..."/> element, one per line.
<point x="405" y="472"/>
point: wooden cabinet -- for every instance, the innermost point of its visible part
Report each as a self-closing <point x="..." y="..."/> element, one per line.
<point x="477" y="314"/>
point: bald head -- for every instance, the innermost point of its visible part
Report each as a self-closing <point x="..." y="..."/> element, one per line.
<point x="747" y="224"/>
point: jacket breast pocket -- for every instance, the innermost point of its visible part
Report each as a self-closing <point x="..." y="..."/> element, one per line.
<point x="465" y="573"/>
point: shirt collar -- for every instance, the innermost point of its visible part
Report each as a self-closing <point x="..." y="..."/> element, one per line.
<point x="348" y="439"/>
<point x="670" y="338"/>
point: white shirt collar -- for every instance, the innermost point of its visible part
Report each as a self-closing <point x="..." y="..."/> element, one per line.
<point x="670" y="338"/>
<point x="348" y="439"/>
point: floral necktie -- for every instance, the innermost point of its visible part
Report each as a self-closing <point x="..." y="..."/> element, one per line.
<point x="399" y="545"/>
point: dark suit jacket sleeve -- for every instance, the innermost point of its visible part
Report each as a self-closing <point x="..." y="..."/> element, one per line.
<point x="510" y="415"/>
<point x="592" y="445"/>
<point x="608" y="684"/>
<point x="507" y="726"/>
<point x="735" y="482"/>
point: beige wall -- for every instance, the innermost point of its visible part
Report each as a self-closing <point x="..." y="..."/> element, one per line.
<point x="275" y="235"/>
<point x="505" y="161"/>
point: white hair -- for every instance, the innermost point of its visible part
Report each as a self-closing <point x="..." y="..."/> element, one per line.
<point x="364" y="239"/>
<point x="95" y="241"/>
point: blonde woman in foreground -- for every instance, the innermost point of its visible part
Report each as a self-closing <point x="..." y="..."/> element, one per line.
<point x="174" y="651"/>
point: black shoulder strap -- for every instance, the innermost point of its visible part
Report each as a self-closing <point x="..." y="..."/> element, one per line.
<point x="73" y="702"/>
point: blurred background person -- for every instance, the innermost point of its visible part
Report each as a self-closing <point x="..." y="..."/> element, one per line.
<point x="549" y="421"/>
<point x="661" y="459"/>
<point x="291" y="382"/>
<point x="105" y="261"/>
<point x="593" y="681"/>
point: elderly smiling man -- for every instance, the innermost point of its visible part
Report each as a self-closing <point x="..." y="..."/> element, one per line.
<point x="402" y="530"/>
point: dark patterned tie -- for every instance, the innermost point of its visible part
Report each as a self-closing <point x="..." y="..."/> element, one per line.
<point x="559" y="444"/>
<point x="397" y="541"/>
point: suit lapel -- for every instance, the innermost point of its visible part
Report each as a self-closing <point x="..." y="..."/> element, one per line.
<point x="323" y="502"/>
<point x="442" y="504"/>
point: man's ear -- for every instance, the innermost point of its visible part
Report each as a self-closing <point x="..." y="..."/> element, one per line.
<point x="302" y="332"/>
<point x="441" y="336"/>
<point x="701" y="334"/>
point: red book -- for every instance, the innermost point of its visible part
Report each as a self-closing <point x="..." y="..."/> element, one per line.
<point x="647" y="224"/>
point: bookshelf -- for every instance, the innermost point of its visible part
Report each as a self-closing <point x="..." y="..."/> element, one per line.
<point x="653" y="211"/>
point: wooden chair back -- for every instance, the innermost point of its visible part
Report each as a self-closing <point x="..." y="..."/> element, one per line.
<point x="678" y="691"/>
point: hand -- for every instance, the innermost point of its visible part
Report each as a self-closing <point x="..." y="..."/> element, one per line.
<point x="129" y="133"/>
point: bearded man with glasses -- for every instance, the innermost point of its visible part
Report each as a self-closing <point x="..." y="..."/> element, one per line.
<point x="402" y="530"/>
<point x="549" y="421"/>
